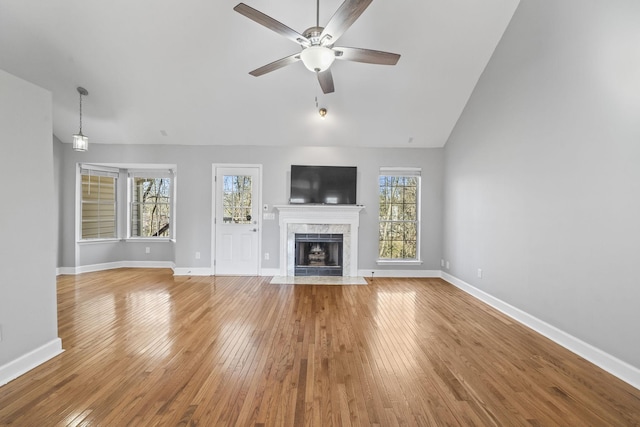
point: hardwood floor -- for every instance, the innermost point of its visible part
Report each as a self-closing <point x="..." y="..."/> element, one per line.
<point x="145" y="348"/>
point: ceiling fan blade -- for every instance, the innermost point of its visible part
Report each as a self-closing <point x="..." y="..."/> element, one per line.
<point x="275" y="65"/>
<point x="366" y="55"/>
<point x="344" y="17"/>
<point x="271" y="24"/>
<point x="326" y="81"/>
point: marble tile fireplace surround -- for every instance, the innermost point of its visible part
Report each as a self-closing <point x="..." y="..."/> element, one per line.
<point x="320" y="219"/>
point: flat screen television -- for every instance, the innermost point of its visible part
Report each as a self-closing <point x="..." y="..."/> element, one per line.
<point x="323" y="185"/>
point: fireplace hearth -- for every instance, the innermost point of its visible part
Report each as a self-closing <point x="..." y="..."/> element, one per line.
<point x="318" y="254"/>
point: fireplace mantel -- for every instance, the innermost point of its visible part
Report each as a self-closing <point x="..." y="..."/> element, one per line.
<point x="311" y="214"/>
<point x="344" y="219"/>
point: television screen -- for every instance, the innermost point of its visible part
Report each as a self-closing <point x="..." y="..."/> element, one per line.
<point x="327" y="185"/>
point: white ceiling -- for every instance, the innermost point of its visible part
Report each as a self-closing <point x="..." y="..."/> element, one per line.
<point x="182" y="67"/>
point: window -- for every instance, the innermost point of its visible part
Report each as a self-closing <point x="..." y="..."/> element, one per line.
<point x="399" y="225"/>
<point x="98" y="203"/>
<point x="236" y="201"/>
<point x="141" y="206"/>
<point x="151" y="204"/>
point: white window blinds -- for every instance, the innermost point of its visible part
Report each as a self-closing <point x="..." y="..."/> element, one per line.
<point x="98" y="202"/>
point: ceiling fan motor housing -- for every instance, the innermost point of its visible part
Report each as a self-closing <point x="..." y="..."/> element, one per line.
<point x="313" y="34"/>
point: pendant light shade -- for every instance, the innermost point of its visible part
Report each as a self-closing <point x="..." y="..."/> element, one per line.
<point x="80" y="141"/>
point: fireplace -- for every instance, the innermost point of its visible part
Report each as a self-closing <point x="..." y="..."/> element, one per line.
<point x="319" y="220"/>
<point x="318" y="254"/>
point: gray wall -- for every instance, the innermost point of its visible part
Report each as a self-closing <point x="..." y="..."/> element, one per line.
<point x="28" y="316"/>
<point x="194" y="191"/>
<point x="542" y="174"/>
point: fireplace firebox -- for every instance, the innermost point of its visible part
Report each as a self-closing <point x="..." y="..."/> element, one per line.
<point x="318" y="254"/>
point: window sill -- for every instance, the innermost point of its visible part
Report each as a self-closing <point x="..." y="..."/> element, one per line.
<point x="399" y="262"/>
<point x="149" y="239"/>
<point x="92" y="241"/>
<point x="128" y="240"/>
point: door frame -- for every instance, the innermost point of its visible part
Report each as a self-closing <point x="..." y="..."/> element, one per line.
<point x="214" y="230"/>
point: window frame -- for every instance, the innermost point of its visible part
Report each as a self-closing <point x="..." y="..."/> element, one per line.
<point x="237" y="198"/>
<point x="121" y="172"/>
<point x="402" y="172"/>
<point x="132" y="174"/>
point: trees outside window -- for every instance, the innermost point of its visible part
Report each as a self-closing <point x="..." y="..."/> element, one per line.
<point x="399" y="204"/>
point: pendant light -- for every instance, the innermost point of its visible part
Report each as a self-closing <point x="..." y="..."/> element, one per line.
<point x="80" y="141"/>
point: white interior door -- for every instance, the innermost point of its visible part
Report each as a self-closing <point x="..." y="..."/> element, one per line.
<point x="237" y="222"/>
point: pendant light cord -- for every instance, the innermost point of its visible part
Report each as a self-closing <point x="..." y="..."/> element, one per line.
<point x="80" y="114"/>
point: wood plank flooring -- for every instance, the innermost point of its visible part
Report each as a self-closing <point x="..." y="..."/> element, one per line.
<point x="144" y="348"/>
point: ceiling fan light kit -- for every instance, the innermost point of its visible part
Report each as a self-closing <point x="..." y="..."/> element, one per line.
<point x="317" y="58"/>
<point x="317" y="43"/>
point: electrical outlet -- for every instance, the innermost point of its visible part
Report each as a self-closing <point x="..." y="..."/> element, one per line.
<point x="446" y="264"/>
<point x="480" y="273"/>
<point x="441" y="263"/>
<point x="266" y="255"/>
<point x="197" y="255"/>
<point x="0" y="332"/>
<point x="147" y="250"/>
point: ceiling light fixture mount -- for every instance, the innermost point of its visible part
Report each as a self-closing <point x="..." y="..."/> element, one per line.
<point x="322" y="112"/>
<point x="80" y="141"/>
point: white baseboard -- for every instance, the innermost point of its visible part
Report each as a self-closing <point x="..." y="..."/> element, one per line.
<point x="626" y="372"/>
<point x="113" y="265"/>
<point x="187" y="271"/>
<point x="205" y="271"/>
<point x="27" y="362"/>
<point x="177" y="271"/>
<point x="400" y="273"/>
<point x="192" y="271"/>
<point x="65" y="270"/>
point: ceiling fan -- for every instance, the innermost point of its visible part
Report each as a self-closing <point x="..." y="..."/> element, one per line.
<point x="318" y="50"/>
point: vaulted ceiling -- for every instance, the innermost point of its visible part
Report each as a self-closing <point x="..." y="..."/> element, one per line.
<point x="176" y="72"/>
